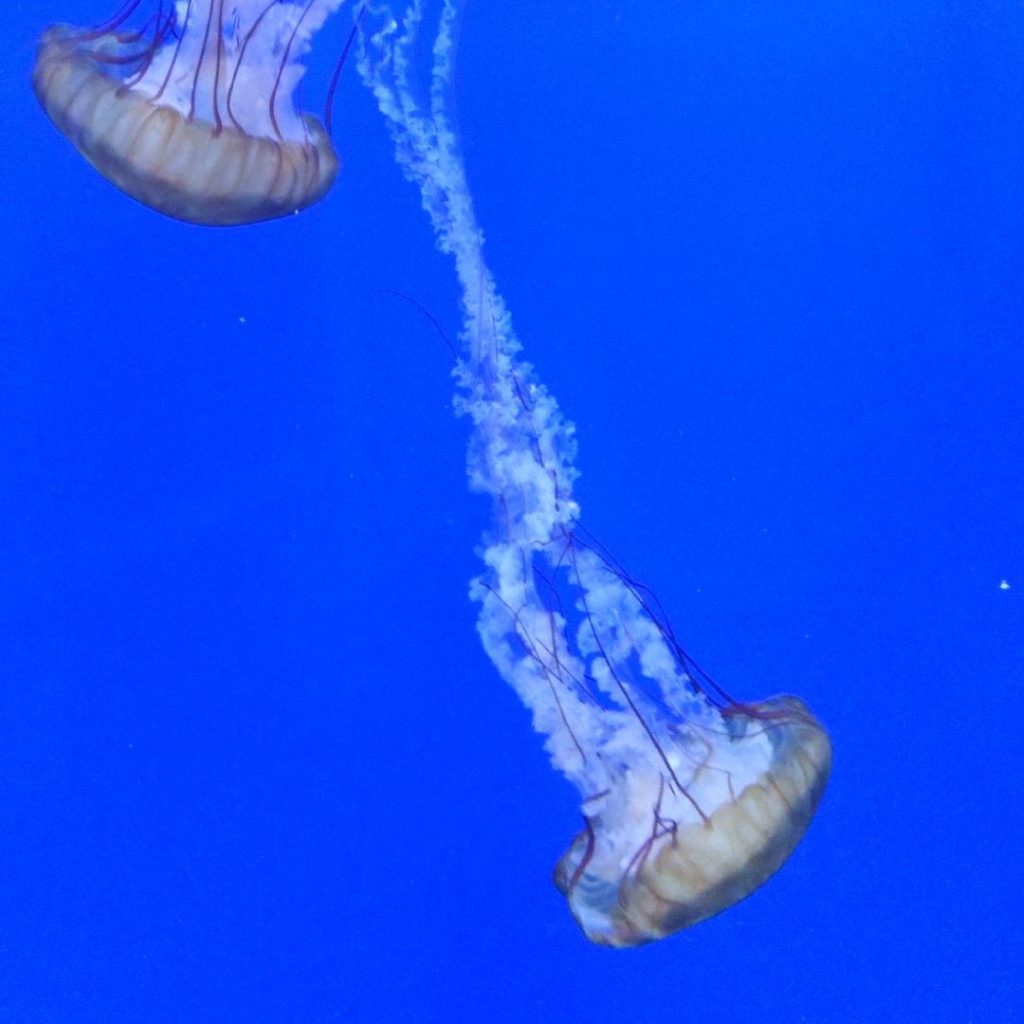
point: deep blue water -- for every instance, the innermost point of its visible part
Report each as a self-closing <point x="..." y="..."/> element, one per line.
<point x="254" y="766"/>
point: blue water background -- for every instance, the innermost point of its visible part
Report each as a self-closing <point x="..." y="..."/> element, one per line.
<point x="254" y="766"/>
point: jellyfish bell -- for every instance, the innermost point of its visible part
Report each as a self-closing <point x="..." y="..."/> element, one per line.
<point x="193" y="114"/>
<point x="681" y="842"/>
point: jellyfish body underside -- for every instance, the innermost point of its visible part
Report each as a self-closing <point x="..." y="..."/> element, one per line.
<point x="184" y="167"/>
<point x="698" y="870"/>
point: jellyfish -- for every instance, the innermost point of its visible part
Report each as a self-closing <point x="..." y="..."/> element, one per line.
<point x="691" y="800"/>
<point x="192" y="113"/>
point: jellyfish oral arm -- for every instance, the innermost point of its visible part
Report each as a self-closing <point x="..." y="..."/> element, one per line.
<point x="237" y="62"/>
